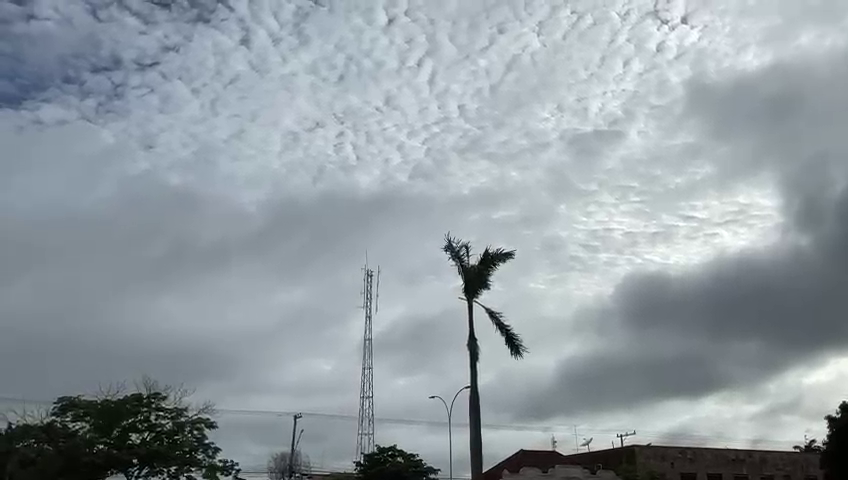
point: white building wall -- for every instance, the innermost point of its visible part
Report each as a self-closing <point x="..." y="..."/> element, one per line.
<point x="559" y="472"/>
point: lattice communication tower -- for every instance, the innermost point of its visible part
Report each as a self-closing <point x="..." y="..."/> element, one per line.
<point x="370" y="299"/>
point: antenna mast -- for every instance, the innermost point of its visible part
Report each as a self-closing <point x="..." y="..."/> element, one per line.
<point x="365" y="430"/>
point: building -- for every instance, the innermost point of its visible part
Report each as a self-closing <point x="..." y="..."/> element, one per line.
<point x="560" y="472"/>
<point x="674" y="463"/>
<point x="544" y="460"/>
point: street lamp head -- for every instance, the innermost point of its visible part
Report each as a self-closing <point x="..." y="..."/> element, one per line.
<point x="432" y="397"/>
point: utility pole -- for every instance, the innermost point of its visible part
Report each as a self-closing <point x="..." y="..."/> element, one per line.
<point x="622" y="436"/>
<point x="576" y="441"/>
<point x="296" y="417"/>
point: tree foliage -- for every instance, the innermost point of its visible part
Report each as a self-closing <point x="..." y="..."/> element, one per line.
<point x="834" y="455"/>
<point x="393" y="463"/>
<point x="810" y="446"/>
<point x="143" y="435"/>
<point x="278" y="464"/>
<point x="46" y="450"/>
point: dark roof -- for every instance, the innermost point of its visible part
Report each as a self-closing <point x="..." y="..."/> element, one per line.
<point x="609" y="458"/>
<point x="541" y="459"/>
<point x="637" y="446"/>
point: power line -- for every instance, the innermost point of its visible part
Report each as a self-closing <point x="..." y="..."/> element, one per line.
<point x="343" y="417"/>
<point x="441" y="423"/>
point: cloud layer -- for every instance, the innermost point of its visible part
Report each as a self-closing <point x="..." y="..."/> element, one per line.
<point x="188" y="189"/>
<point x="744" y="316"/>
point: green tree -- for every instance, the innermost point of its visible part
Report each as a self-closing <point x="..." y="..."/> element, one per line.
<point x="834" y="456"/>
<point x="476" y="273"/>
<point x="149" y="434"/>
<point x="392" y="463"/>
<point x="146" y="435"/>
<point x="46" y="450"/>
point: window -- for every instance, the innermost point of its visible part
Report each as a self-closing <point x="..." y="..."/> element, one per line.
<point x="766" y="477"/>
<point x="714" y="476"/>
<point x="688" y="476"/>
<point x="811" y="477"/>
<point x="740" y="477"/>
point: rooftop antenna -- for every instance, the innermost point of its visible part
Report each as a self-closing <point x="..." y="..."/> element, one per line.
<point x="586" y="443"/>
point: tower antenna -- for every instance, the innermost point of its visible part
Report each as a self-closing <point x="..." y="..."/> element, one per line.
<point x="377" y="292"/>
<point x="365" y="429"/>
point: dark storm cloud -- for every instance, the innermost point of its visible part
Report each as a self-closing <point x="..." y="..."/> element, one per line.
<point x="423" y="345"/>
<point x="163" y="269"/>
<point x="741" y="318"/>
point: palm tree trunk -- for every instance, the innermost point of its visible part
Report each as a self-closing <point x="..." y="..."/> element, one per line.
<point x="476" y="433"/>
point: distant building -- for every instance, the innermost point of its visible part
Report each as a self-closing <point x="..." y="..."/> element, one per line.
<point x="333" y="476"/>
<point x="674" y="463"/>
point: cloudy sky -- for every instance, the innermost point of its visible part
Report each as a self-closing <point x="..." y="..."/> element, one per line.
<point x="188" y="189"/>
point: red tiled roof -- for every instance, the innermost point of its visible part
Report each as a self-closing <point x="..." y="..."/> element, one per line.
<point x="541" y="459"/>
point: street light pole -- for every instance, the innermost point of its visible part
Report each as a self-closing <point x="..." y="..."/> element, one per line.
<point x="449" y="410"/>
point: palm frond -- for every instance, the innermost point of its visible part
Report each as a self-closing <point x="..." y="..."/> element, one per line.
<point x="459" y="252"/>
<point x="493" y="257"/>
<point x="511" y="339"/>
<point x="490" y="260"/>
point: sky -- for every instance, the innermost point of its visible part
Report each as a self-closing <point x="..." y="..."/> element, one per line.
<point x="188" y="189"/>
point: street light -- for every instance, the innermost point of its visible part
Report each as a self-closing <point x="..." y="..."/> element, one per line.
<point x="450" y="438"/>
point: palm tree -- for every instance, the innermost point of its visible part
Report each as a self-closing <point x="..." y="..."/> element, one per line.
<point x="476" y="272"/>
<point x="810" y="446"/>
